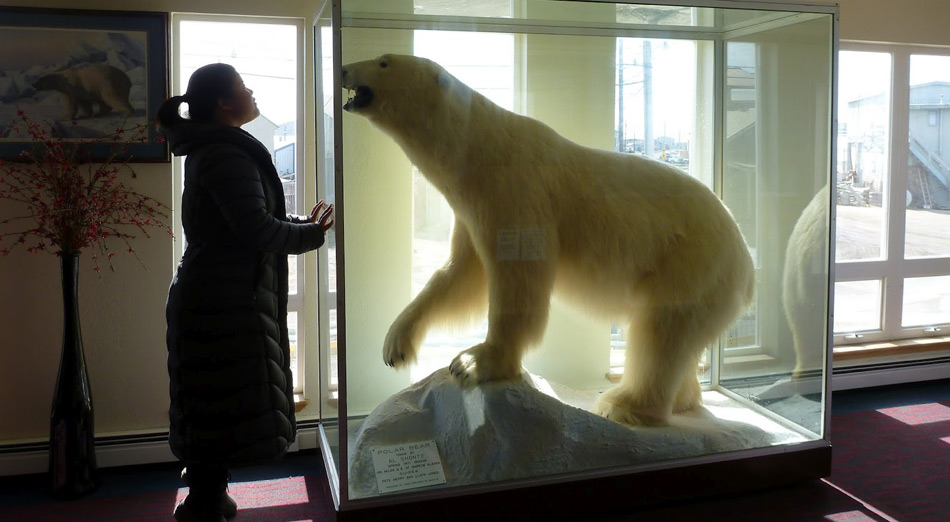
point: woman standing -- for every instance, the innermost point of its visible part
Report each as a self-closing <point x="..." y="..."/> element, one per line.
<point x="228" y="351"/>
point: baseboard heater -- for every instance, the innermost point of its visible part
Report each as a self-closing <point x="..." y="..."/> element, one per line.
<point x="120" y="450"/>
<point x="888" y="373"/>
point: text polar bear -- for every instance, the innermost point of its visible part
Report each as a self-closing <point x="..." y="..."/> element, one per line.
<point x="88" y="87"/>
<point x="625" y="237"/>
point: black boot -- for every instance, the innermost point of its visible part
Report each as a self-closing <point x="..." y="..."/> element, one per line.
<point x="208" y="500"/>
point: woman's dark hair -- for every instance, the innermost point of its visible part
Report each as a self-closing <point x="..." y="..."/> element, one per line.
<point x="206" y="86"/>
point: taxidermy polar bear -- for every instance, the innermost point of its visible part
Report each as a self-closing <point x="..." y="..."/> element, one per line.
<point x="626" y="238"/>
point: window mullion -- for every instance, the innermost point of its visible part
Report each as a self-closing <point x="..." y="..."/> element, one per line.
<point x="897" y="208"/>
<point x="860" y="270"/>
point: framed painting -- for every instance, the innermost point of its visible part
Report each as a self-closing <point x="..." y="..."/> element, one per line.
<point x="84" y="76"/>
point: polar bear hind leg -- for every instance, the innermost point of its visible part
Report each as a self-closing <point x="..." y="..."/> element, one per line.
<point x="690" y="394"/>
<point x="664" y="345"/>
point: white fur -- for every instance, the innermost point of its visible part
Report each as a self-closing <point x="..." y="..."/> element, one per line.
<point x="805" y="283"/>
<point x="626" y="238"/>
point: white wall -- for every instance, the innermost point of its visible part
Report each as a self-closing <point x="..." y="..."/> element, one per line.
<point x="123" y="315"/>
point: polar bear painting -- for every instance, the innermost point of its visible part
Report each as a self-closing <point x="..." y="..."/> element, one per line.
<point x="623" y="237"/>
<point x="90" y="89"/>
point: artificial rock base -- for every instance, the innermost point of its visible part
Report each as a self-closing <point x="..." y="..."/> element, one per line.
<point x="527" y="428"/>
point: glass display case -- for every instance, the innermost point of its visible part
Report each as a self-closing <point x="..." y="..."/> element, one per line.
<point x="737" y="95"/>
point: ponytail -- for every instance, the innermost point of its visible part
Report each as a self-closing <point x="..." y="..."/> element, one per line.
<point x="168" y="113"/>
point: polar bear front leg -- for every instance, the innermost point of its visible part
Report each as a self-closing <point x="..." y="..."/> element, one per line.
<point x="518" y="304"/>
<point x="454" y="293"/>
<point x="401" y="346"/>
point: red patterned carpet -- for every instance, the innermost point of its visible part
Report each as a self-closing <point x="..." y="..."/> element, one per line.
<point x="890" y="464"/>
<point x="896" y="459"/>
<point x="280" y="500"/>
<point x="303" y="499"/>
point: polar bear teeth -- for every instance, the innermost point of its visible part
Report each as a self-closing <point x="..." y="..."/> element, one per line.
<point x="350" y="96"/>
<point x="360" y="97"/>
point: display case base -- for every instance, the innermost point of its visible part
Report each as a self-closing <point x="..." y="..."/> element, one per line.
<point x="610" y="494"/>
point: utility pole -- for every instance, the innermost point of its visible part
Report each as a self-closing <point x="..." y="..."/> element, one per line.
<point x="648" y="99"/>
<point x="621" y="122"/>
<point x="649" y="15"/>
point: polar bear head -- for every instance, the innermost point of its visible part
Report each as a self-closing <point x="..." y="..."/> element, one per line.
<point x="403" y="94"/>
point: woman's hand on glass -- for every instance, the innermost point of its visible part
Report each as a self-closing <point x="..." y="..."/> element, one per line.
<point x="322" y="214"/>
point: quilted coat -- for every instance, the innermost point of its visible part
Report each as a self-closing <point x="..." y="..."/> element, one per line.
<point x="228" y="353"/>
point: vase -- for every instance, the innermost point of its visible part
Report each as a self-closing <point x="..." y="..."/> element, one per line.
<point x="72" y="452"/>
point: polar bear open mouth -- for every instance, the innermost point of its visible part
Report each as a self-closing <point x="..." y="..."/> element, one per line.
<point x="362" y="98"/>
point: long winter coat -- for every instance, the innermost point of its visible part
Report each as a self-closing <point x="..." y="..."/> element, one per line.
<point x="228" y="352"/>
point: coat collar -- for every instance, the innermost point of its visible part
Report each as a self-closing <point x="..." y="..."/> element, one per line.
<point x="187" y="136"/>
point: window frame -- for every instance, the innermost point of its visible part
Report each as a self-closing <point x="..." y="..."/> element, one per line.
<point x="297" y="302"/>
<point x="893" y="268"/>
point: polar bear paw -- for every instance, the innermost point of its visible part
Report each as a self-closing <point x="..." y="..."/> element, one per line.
<point x="618" y="405"/>
<point x="400" y="347"/>
<point x="479" y="364"/>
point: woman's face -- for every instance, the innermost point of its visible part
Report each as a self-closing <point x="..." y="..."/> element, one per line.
<point x="242" y="107"/>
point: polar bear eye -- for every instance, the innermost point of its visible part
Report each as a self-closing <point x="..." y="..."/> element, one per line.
<point x="384" y="64"/>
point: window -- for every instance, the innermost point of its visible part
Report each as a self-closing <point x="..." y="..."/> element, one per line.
<point x="265" y="53"/>
<point x="892" y="276"/>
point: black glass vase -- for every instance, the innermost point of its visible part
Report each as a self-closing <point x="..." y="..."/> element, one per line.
<point x="72" y="452"/>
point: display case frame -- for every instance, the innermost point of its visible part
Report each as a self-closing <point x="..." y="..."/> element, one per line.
<point x="587" y="491"/>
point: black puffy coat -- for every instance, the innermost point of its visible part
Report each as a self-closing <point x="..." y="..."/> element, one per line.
<point x="228" y="352"/>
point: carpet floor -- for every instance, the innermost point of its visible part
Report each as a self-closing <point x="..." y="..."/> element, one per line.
<point x="891" y="462"/>
<point x="898" y="458"/>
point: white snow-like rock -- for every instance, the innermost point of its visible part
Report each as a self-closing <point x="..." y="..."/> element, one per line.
<point x="511" y="430"/>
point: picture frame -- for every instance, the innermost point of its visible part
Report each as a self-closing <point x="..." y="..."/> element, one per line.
<point x="83" y="75"/>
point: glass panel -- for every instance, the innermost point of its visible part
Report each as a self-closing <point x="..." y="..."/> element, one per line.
<point x="484" y="8"/>
<point x="326" y="99"/>
<point x="776" y="158"/>
<point x="739" y="19"/>
<point x="292" y="336"/>
<point x="926" y="301"/>
<point x="327" y="178"/>
<point x="663" y="15"/>
<point x="334" y="360"/>
<point x="634" y="14"/>
<point x="398" y="226"/>
<point x="858" y="306"/>
<point x="928" y="165"/>
<point x="292" y="275"/>
<point x="864" y="81"/>
<point x="740" y="183"/>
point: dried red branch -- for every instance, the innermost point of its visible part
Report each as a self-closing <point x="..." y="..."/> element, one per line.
<point x="73" y="202"/>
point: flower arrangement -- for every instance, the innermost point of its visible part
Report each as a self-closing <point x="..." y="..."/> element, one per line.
<point x="71" y="202"/>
